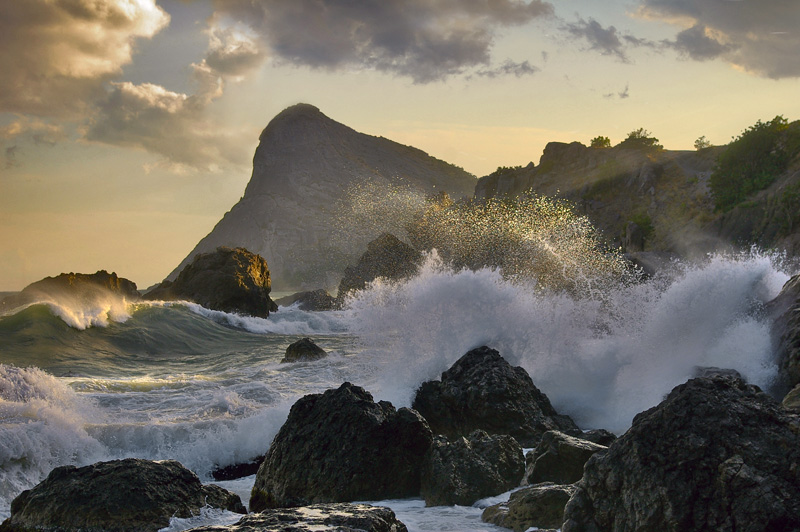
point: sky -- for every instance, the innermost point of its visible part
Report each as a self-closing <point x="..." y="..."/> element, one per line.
<point x="127" y="127"/>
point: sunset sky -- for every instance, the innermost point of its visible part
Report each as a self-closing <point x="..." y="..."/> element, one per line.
<point x="127" y="127"/>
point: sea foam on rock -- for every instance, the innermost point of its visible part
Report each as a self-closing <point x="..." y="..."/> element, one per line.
<point x="539" y="507"/>
<point x="387" y="257"/>
<point x="129" y="495"/>
<point x="716" y="454"/>
<point x="481" y="390"/>
<point x="341" y="446"/>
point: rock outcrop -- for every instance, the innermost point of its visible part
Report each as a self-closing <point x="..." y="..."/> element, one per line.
<point x="716" y="454"/>
<point x="539" y="507"/>
<point x="303" y="350"/>
<point x="230" y="280"/>
<point x="72" y="288"/>
<point x="340" y="517"/>
<point x="785" y="310"/>
<point x="386" y="257"/>
<point x="559" y="458"/>
<point x="315" y="300"/>
<point x="465" y="470"/>
<point x="483" y="391"/>
<point x="128" y="495"/>
<point x="341" y="446"/>
<point x="313" y="181"/>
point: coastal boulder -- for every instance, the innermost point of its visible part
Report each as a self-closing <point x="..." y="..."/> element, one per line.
<point x="314" y="300"/>
<point x="304" y="350"/>
<point x="559" y="458"/>
<point x="785" y="309"/>
<point x="716" y="454"/>
<point x="341" y="446"/>
<point x="483" y="391"/>
<point x="338" y="517"/>
<point x="465" y="470"/>
<point x="386" y="257"/>
<point x="228" y="279"/>
<point x="538" y="507"/>
<point x="73" y="289"/>
<point x="130" y="495"/>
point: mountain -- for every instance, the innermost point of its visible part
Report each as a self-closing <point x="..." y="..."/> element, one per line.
<point x="314" y="186"/>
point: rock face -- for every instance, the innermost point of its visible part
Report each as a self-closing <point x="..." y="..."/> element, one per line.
<point x="341" y="446"/>
<point x="81" y="287"/>
<point x="483" y="391"/>
<point x="716" y="454"/>
<point x="785" y="309"/>
<point x="538" y="507"/>
<point x="315" y="300"/>
<point x="559" y="458"/>
<point x="386" y="257"/>
<point x="294" y="206"/>
<point x="468" y="469"/>
<point x="128" y="495"/>
<point x="341" y="517"/>
<point x="304" y="350"/>
<point x="230" y="280"/>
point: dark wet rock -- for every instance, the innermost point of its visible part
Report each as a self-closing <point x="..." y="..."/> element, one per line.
<point x="304" y="350"/>
<point x="74" y="288"/>
<point x="341" y="446"/>
<point x="559" y="458"/>
<point x="716" y="454"/>
<point x="598" y="436"/>
<point x="483" y="391"/>
<point x="128" y="495"/>
<point x="785" y="310"/>
<point x="314" y="300"/>
<point x="791" y="401"/>
<point x="337" y="517"/>
<point x="540" y="507"/>
<point x="228" y="279"/>
<point x="234" y="471"/>
<point x="465" y="470"/>
<point x="713" y="371"/>
<point x="386" y="257"/>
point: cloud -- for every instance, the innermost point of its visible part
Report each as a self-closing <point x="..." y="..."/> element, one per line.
<point x="761" y="37"/>
<point x="58" y="54"/>
<point x="623" y="94"/>
<point x="509" y="68"/>
<point x="604" y="40"/>
<point x="232" y="52"/>
<point x="11" y="157"/>
<point x="424" y="40"/>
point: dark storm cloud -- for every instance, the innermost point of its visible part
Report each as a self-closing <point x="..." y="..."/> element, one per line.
<point x="762" y="37"/>
<point x="422" y="39"/>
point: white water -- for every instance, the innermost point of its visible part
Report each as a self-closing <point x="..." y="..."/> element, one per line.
<point x="601" y="360"/>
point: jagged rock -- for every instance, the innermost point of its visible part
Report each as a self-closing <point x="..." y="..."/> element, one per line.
<point x="483" y="391"/>
<point x="303" y="350"/>
<point x="540" y="507"/>
<point x="785" y="310"/>
<point x="234" y="471"/>
<point x="230" y="280"/>
<point x="339" y="517"/>
<point x="386" y="257"/>
<point x="74" y="287"/>
<point x="314" y="300"/>
<point x="130" y="495"/>
<point x="341" y="446"/>
<point x="298" y="210"/>
<point x="791" y="401"/>
<point x="598" y="436"/>
<point x="559" y="458"/>
<point x="465" y="470"/>
<point x="716" y="454"/>
<point x="713" y="371"/>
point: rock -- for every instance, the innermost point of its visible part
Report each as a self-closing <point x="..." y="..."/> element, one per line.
<point x="314" y="300"/>
<point x="234" y="471"/>
<point x="785" y="310"/>
<point x="128" y="495"/>
<point x="304" y="350"/>
<point x="483" y="391"/>
<point x="72" y="288"/>
<point x="713" y="371"/>
<point x="792" y="400"/>
<point x="230" y="280"/>
<point x="341" y="446"/>
<point x="386" y="257"/>
<point x="465" y="470"/>
<point x="716" y="454"/>
<point x="598" y="436"/>
<point x="539" y="507"/>
<point x="559" y="458"/>
<point x="339" y="517"/>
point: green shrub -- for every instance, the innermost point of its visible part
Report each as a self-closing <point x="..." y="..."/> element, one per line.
<point x="640" y="139"/>
<point x="600" y="142"/>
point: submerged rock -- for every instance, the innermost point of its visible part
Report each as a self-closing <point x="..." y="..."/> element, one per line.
<point x="483" y="391"/>
<point x="386" y="257"/>
<point x="130" y="495"/>
<point x="341" y="446"/>
<point x="303" y="350"/>
<point x="716" y="454"/>
<point x="339" y="517"/>
<point x="559" y="458"/>
<point x="73" y="288"/>
<point x="469" y="469"/>
<point x="230" y="280"/>
<point x="538" y="507"/>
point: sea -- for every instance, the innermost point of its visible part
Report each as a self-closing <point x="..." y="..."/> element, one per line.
<point x="108" y="379"/>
